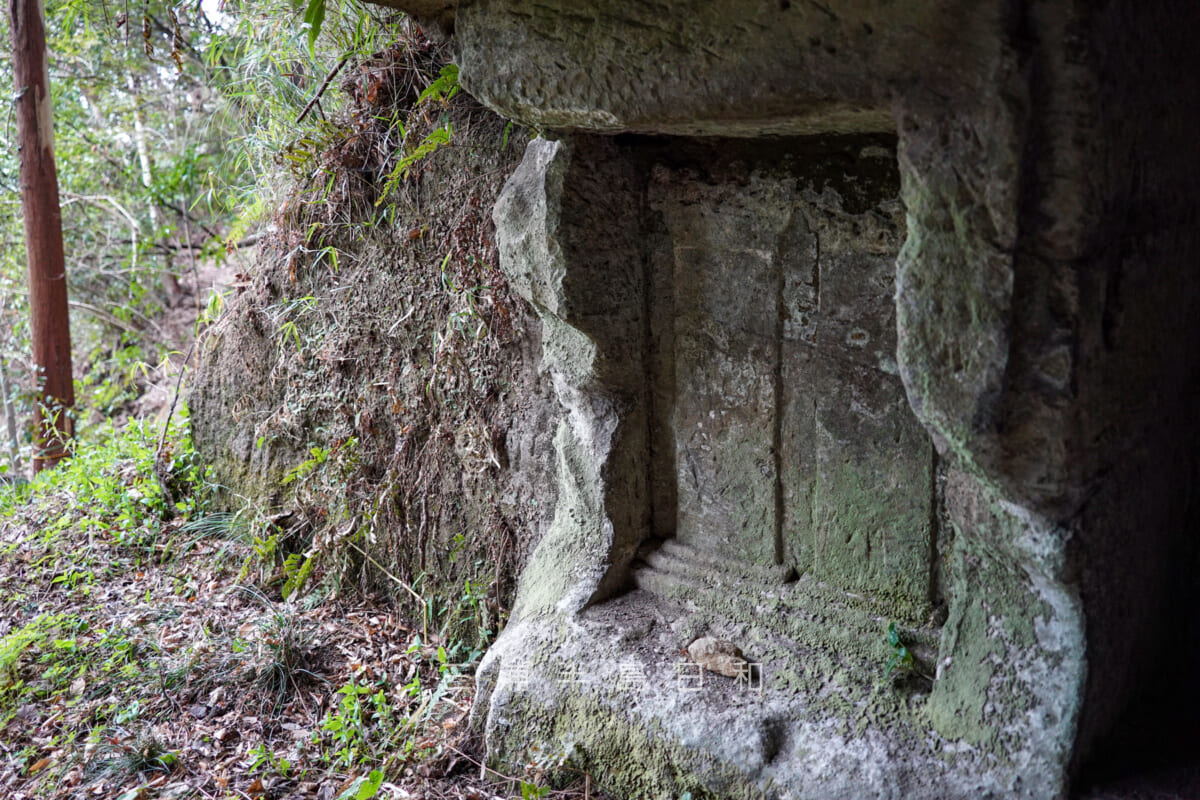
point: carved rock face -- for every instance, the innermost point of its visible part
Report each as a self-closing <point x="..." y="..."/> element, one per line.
<point x="791" y="439"/>
<point x="737" y="461"/>
<point x="752" y="399"/>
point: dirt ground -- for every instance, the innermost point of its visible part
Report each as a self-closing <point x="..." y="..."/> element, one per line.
<point x="179" y="675"/>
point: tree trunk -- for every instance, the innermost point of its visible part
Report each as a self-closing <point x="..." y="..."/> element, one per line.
<point x="10" y="420"/>
<point x="6" y="399"/>
<point x="43" y="234"/>
<point x="170" y="282"/>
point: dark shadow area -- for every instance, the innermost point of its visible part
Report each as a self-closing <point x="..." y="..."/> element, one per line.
<point x="1153" y="750"/>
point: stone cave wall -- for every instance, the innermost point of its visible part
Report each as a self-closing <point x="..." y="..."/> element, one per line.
<point x="1043" y="183"/>
<point x="778" y="398"/>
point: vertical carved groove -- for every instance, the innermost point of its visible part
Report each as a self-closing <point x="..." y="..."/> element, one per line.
<point x="777" y="378"/>
<point x="934" y="526"/>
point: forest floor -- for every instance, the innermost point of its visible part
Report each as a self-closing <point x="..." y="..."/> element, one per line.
<point x="146" y="652"/>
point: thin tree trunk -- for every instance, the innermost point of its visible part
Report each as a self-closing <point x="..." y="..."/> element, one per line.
<point x="6" y="397"/>
<point x="49" y="318"/>
<point x="10" y="419"/>
<point x="141" y="145"/>
<point x="146" y="163"/>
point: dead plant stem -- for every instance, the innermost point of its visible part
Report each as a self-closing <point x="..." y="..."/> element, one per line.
<point x="407" y="588"/>
<point x="321" y="89"/>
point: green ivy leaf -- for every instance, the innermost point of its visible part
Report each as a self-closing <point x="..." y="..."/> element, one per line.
<point x="364" y="787"/>
<point x="901" y="658"/>
<point x="893" y="636"/>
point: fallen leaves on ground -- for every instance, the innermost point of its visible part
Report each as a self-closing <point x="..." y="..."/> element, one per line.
<point x="162" y="672"/>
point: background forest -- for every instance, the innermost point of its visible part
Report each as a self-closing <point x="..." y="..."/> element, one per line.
<point x="160" y="636"/>
<point x="174" y="125"/>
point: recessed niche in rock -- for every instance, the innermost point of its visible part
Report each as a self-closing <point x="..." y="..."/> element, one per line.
<point x="781" y="415"/>
<point x="736" y="458"/>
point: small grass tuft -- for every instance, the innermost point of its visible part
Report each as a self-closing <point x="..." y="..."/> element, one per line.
<point x="142" y="756"/>
<point x="285" y="658"/>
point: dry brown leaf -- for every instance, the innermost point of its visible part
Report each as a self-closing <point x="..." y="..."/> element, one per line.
<point x="718" y="655"/>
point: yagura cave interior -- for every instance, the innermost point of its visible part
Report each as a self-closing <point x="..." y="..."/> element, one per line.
<point x="739" y="456"/>
<point x="779" y="437"/>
